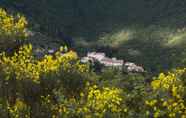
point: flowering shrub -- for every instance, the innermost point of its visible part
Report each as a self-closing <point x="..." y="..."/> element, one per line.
<point x="12" y="28"/>
<point x="95" y="102"/>
<point x="99" y="101"/>
<point x="65" y="95"/>
<point x="168" y="95"/>
<point x="23" y="65"/>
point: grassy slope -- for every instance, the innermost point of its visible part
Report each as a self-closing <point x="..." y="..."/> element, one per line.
<point x="150" y="33"/>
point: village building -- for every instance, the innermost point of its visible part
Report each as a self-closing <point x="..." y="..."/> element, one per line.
<point x="85" y="59"/>
<point x="101" y="57"/>
<point x="51" y="51"/>
<point x="112" y="62"/>
<point x="132" y="67"/>
<point x="95" y="55"/>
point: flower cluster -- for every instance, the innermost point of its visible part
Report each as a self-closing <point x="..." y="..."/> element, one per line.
<point x="169" y="91"/>
<point x="12" y="26"/>
<point x="19" y="109"/>
<point x="95" y="102"/>
<point x="101" y="100"/>
<point x="22" y="65"/>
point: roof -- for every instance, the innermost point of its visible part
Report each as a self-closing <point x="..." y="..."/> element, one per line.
<point x="96" y="53"/>
<point x="111" y="60"/>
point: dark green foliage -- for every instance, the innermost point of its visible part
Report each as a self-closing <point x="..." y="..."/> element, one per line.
<point x="133" y="30"/>
<point x="151" y="21"/>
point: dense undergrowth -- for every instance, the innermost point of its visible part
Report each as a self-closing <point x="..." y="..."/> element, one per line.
<point x="58" y="85"/>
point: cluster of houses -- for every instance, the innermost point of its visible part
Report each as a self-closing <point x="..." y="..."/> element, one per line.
<point x="101" y="57"/>
<point x="112" y="62"/>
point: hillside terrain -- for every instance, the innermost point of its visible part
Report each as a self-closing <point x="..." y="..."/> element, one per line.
<point x="92" y="59"/>
<point x="150" y="33"/>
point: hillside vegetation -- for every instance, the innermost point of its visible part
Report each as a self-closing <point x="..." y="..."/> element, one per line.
<point x="35" y="83"/>
<point x="115" y="26"/>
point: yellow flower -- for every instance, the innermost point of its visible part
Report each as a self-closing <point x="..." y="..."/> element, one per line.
<point x="155" y="84"/>
<point x="25" y="66"/>
<point x="12" y="26"/>
<point x="173" y="86"/>
<point x="102" y="100"/>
